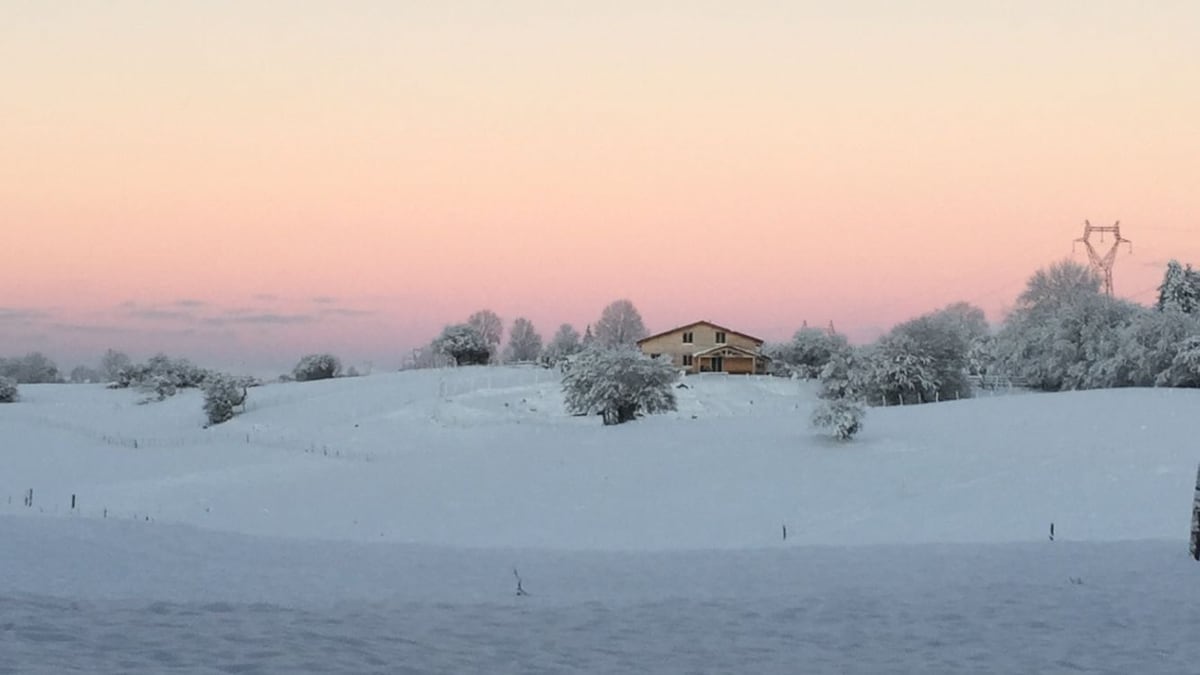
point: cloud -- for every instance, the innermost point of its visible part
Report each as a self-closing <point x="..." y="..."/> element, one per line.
<point x="154" y="314"/>
<point x="259" y="318"/>
<point x="345" y="312"/>
<point x="21" y="315"/>
<point x="323" y="300"/>
<point x="265" y="297"/>
<point x="187" y="302"/>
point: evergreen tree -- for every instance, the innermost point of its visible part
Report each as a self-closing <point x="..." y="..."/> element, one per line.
<point x="1180" y="289"/>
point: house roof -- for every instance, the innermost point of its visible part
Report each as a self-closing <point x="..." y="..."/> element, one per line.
<point x="732" y="348"/>
<point x="698" y="323"/>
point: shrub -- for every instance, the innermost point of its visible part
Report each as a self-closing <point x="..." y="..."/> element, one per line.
<point x="221" y="395"/>
<point x="317" y="367"/>
<point x="618" y="384"/>
<point x="841" y="417"/>
<point x="8" y="390"/>
<point x="465" y="344"/>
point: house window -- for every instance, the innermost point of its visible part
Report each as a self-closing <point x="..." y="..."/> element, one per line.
<point x="687" y="338"/>
<point x="720" y="337"/>
<point x="687" y="359"/>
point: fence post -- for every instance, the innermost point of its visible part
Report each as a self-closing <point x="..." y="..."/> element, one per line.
<point x="1195" y="543"/>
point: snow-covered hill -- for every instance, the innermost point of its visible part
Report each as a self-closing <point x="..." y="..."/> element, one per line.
<point x="375" y="524"/>
<point x="486" y="457"/>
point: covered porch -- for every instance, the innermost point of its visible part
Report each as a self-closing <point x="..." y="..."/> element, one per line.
<point x="729" y="359"/>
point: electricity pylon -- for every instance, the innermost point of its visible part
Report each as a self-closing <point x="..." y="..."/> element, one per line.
<point x="1103" y="264"/>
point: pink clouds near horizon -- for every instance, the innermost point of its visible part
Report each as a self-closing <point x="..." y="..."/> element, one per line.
<point x="757" y="164"/>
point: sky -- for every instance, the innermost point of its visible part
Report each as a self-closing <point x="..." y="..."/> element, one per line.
<point x="243" y="182"/>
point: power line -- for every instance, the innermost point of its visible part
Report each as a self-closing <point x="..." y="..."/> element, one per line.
<point x="1103" y="263"/>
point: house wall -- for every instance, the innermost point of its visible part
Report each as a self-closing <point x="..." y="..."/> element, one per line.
<point x="704" y="336"/>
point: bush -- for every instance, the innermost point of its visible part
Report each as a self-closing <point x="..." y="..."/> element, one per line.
<point x="465" y="344"/>
<point x="841" y="417"/>
<point x="161" y="375"/>
<point x="317" y="367"/>
<point x="8" y="390"/>
<point x="221" y="395"/>
<point x="618" y="384"/>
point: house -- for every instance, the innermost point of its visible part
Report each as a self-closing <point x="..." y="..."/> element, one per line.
<point x="705" y="347"/>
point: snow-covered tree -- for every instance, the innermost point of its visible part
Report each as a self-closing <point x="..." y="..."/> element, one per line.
<point x="897" y="370"/>
<point x="524" y="343"/>
<point x="620" y="325"/>
<point x="82" y="374"/>
<point x="808" y="352"/>
<point x="158" y="372"/>
<point x="618" y="383"/>
<point x="1185" y="367"/>
<point x="588" y="337"/>
<point x="564" y="344"/>
<point x="317" y="367"/>
<point x="222" y="394"/>
<point x="841" y="417"/>
<point x="465" y="344"/>
<point x="8" y="390"/>
<point x="839" y="412"/>
<point x="33" y="368"/>
<point x="1180" y="289"/>
<point x="113" y="363"/>
<point x="490" y="327"/>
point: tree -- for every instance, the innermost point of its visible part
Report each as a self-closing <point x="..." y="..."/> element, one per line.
<point x="588" y="338"/>
<point x="839" y="411"/>
<point x="524" y="343"/>
<point x="808" y="352"/>
<point x="620" y="325"/>
<point x="317" y="367"/>
<point x="8" y="390"/>
<point x="83" y="374"/>
<point x="619" y="384"/>
<point x="564" y="343"/>
<point x="222" y="394"/>
<point x="1180" y="289"/>
<point x="463" y="343"/>
<point x="33" y="368"/>
<point x="113" y="363"/>
<point x="1185" y="367"/>
<point x="490" y="327"/>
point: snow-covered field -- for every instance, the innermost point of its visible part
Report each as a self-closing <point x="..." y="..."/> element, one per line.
<point x="373" y="525"/>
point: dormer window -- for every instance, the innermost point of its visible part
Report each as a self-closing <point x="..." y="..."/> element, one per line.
<point x="687" y="338"/>
<point x="720" y="337"/>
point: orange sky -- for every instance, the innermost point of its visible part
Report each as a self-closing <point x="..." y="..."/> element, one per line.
<point x="246" y="181"/>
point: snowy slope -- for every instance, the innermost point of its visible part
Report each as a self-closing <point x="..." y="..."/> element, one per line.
<point x="373" y="525"/>
<point x="485" y="457"/>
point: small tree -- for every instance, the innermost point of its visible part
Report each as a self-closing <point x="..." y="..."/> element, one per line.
<point x="524" y="343"/>
<point x="839" y="412"/>
<point x="464" y="344"/>
<point x="620" y="325"/>
<point x="317" y="367"/>
<point x="490" y="327"/>
<point x="8" y="390"/>
<point x="618" y="384"/>
<point x="113" y="363"/>
<point x="564" y="344"/>
<point x="222" y="394"/>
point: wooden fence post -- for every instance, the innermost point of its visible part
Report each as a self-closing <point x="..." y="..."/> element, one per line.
<point x="1195" y="542"/>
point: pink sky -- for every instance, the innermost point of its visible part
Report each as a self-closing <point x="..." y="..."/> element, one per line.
<point x="242" y="182"/>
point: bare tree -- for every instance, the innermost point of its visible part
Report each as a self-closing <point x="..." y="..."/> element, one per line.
<point x="620" y="324"/>
<point x="524" y="343"/>
<point x="488" y="324"/>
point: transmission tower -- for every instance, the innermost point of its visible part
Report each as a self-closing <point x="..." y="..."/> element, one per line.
<point x="1103" y="264"/>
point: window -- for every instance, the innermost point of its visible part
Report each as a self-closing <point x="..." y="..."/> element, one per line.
<point x="655" y="356"/>
<point x="720" y="337"/>
<point x="687" y="359"/>
<point x="687" y="338"/>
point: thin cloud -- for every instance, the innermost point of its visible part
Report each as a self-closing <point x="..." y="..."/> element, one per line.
<point x="345" y="312"/>
<point x="261" y="318"/>
<point x="187" y="302"/>
<point x="324" y="300"/>
<point x="155" y="314"/>
<point x="265" y="297"/>
<point x="21" y="315"/>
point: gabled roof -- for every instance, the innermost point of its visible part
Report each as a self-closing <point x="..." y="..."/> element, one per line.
<point x="699" y="323"/>
<point x="731" y="348"/>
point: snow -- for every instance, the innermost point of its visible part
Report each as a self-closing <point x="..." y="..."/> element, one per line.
<point x="372" y="525"/>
